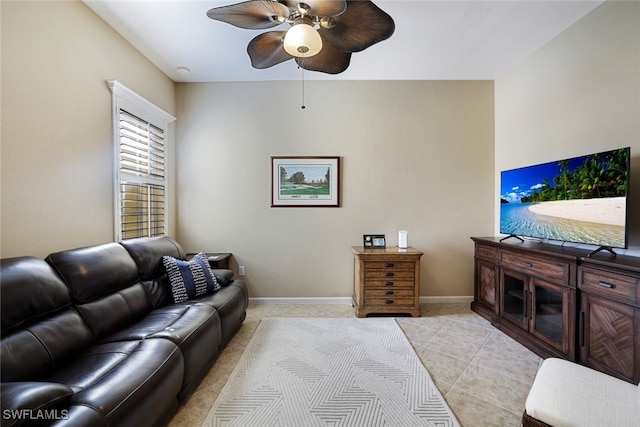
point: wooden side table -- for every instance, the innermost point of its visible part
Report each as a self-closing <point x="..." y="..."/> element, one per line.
<point x="216" y="259"/>
<point x="386" y="281"/>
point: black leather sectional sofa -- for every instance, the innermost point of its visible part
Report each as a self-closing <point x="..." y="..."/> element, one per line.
<point x="92" y="337"/>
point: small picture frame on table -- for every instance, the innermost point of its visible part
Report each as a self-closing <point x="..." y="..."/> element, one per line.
<point x="374" y="241"/>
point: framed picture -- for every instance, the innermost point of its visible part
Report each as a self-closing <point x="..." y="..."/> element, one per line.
<point x="374" y="241"/>
<point x="305" y="181"/>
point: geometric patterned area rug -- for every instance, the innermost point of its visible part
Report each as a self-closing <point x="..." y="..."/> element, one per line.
<point x="305" y="372"/>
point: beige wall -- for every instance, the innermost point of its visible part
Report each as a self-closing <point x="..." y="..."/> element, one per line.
<point x="416" y="156"/>
<point x="578" y="94"/>
<point x="57" y="149"/>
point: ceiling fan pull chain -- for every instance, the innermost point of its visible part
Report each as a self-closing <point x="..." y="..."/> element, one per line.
<point x="303" y="106"/>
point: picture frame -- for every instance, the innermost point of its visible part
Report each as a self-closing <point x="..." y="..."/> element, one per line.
<point x="298" y="181"/>
<point x="374" y="241"/>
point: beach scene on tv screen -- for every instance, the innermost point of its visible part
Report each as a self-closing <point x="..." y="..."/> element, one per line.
<point x="581" y="200"/>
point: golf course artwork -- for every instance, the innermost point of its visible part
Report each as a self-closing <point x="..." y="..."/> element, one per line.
<point x="305" y="181"/>
<point x="579" y="200"/>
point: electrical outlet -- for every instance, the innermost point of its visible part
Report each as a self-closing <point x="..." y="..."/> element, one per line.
<point x="241" y="270"/>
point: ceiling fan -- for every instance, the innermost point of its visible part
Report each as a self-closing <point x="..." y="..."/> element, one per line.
<point x="322" y="36"/>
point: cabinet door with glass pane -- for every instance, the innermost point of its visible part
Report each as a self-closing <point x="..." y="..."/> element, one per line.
<point x="543" y="309"/>
<point x="515" y="298"/>
<point x="551" y="311"/>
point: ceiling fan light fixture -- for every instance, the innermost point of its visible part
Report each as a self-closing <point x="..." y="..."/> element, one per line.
<point x="323" y="33"/>
<point x="327" y="22"/>
<point x="302" y="41"/>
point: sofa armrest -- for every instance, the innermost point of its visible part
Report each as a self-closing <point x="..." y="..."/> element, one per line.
<point x="223" y="276"/>
<point x="22" y="401"/>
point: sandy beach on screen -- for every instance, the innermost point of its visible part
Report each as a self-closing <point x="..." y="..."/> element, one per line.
<point x="609" y="210"/>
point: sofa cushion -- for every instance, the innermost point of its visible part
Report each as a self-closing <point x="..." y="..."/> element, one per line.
<point x="82" y="416"/>
<point x="190" y="279"/>
<point x="95" y="271"/>
<point x="103" y="281"/>
<point x="231" y="302"/>
<point x="113" y="312"/>
<point x="41" y="331"/>
<point x="195" y="328"/>
<point x="147" y="252"/>
<point x="30" y="289"/>
<point x="33" y="396"/>
<point x="127" y="383"/>
<point x="31" y="353"/>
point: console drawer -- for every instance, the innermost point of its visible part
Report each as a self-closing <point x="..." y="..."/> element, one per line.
<point x="486" y="252"/>
<point x="551" y="270"/>
<point x="618" y="287"/>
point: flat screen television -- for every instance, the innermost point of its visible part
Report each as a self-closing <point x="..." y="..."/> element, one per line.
<point x="579" y="200"/>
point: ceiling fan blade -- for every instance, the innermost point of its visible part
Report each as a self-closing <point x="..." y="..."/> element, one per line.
<point x="320" y="7"/>
<point x="329" y="60"/>
<point x="267" y="49"/>
<point x="363" y="24"/>
<point x="252" y="14"/>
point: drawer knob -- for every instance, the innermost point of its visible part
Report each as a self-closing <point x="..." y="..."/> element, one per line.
<point x="389" y="301"/>
<point x="606" y="285"/>
<point x="389" y="265"/>
<point x="388" y="283"/>
<point x="388" y="292"/>
<point x="528" y="264"/>
<point x="388" y="274"/>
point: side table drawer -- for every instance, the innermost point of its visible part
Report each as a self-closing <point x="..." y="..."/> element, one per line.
<point x="392" y="283"/>
<point x="390" y="302"/>
<point x="381" y="265"/>
<point x="389" y="293"/>
<point x="388" y="275"/>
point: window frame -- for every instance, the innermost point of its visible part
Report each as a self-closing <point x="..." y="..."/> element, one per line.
<point x="124" y="99"/>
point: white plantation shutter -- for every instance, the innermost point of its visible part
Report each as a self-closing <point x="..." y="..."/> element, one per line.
<point x="141" y="139"/>
<point x="142" y="184"/>
<point x="142" y="210"/>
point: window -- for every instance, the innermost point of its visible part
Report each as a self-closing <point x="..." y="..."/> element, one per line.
<point x="140" y="134"/>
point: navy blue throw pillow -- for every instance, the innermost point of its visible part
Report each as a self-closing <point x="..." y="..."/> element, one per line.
<point x="190" y="279"/>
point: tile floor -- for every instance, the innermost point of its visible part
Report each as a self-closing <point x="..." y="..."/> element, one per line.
<point x="483" y="374"/>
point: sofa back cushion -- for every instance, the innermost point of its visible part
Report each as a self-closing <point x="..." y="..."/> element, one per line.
<point x="95" y="271"/>
<point x="147" y="252"/>
<point x="30" y="289"/>
<point x="41" y="331"/>
<point x="104" y="284"/>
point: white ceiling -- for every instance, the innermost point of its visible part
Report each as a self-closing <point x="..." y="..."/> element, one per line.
<point x="433" y="40"/>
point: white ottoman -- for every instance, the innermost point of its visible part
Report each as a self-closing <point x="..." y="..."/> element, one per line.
<point x="566" y="394"/>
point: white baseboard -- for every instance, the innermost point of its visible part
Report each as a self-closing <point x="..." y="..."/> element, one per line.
<point x="347" y="300"/>
<point x="435" y="300"/>
<point x="296" y="300"/>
